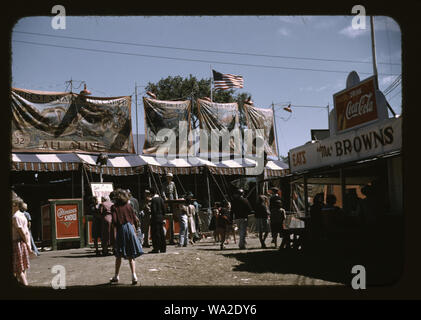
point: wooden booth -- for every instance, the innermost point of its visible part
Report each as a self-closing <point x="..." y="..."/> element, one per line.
<point x="62" y="224"/>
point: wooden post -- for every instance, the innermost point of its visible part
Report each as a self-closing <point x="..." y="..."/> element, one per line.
<point x="343" y="189"/>
<point x="305" y="195"/>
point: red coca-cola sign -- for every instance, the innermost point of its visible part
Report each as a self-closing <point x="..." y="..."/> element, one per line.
<point x="356" y="105"/>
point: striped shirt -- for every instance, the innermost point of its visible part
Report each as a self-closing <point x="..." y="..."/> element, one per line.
<point x="226" y="81"/>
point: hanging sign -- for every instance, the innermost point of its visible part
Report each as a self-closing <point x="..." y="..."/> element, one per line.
<point x="356" y="105"/>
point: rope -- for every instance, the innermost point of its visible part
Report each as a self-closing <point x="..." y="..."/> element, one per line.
<point x="223" y="186"/>
<point x="153" y="178"/>
<point x="179" y="182"/>
<point x="223" y="195"/>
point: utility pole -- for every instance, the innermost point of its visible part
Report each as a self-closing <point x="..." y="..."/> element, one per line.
<point x="211" y="83"/>
<point x="71" y="84"/>
<point x="327" y="109"/>
<point x="137" y="133"/>
<point x="373" y="51"/>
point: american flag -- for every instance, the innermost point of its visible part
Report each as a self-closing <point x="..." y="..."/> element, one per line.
<point x="226" y="81"/>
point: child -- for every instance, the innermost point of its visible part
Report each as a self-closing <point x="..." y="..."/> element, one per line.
<point x="277" y="217"/>
<point x="223" y="222"/>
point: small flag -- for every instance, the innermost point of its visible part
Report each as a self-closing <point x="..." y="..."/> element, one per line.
<point x="227" y="81"/>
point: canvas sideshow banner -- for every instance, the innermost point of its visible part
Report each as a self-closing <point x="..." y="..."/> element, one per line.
<point x="217" y="119"/>
<point x="167" y="125"/>
<point x="259" y="118"/>
<point x="69" y="122"/>
<point x="369" y="141"/>
<point x="357" y="105"/>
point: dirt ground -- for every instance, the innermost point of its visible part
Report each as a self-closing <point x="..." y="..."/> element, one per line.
<point x="201" y="264"/>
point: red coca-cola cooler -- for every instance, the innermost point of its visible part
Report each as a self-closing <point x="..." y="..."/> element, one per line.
<point x="62" y="223"/>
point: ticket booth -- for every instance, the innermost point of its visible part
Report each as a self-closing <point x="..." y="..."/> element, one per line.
<point x="62" y="223"/>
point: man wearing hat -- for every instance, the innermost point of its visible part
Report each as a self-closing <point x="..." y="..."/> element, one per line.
<point x="241" y="209"/>
<point x="169" y="191"/>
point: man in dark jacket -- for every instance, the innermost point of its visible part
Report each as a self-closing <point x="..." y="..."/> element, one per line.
<point x="157" y="223"/>
<point x="241" y="209"/>
<point x="275" y="197"/>
<point x="133" y="202"/>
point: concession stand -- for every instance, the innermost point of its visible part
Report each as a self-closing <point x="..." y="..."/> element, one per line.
<point x="363" y="150"/>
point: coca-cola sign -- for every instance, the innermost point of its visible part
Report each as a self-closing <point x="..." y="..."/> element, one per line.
<point x="357" y="105"/>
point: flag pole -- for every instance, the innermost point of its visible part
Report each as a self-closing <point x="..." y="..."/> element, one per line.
<point x="211" y="83"/>
<point x="276" y="131"/>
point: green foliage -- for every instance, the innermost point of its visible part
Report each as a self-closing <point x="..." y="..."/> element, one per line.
<point x="179" y="88"/>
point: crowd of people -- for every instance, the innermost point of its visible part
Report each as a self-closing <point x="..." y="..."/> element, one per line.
<point x="124" y="226"/>
<point x="270" y="217"/>
<point x="328" y="219"/>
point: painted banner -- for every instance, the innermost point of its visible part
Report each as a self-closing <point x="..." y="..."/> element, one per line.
<point x="67" y="221"/>
<point x="161" y="118"/>
<point x="357" y="105"/>
<point x="219" y="119"/>
<point x="379" y="138"/>
<point x="259" y="118"/>
<point x="69" y="122"/>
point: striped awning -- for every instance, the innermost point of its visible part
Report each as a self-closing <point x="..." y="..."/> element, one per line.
<point x="45" y="162"/>
<point x="135" y="164"/>
<point x="276" y="168"/>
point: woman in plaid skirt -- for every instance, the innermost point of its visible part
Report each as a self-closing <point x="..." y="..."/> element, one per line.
<point x="21" y="241"/>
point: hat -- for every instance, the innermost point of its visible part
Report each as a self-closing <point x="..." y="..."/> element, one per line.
<point x="169" y="174"/>
<point x="147" y="191"/>
<point x="274" y="189"/>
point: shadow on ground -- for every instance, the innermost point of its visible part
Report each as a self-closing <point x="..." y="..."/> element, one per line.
<point x="333" y="263"/>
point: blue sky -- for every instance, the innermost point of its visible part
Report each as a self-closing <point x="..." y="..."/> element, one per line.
<point x="317" y="37"/>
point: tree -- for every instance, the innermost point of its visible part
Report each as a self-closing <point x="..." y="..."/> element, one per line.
<point x="179" y="88"/>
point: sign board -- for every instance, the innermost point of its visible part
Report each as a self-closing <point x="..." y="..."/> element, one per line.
<point x="67" y="221"/>
<point x="356" y="105"/>
<point x="379" y="138"/>
<point x="101" y="189"/>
